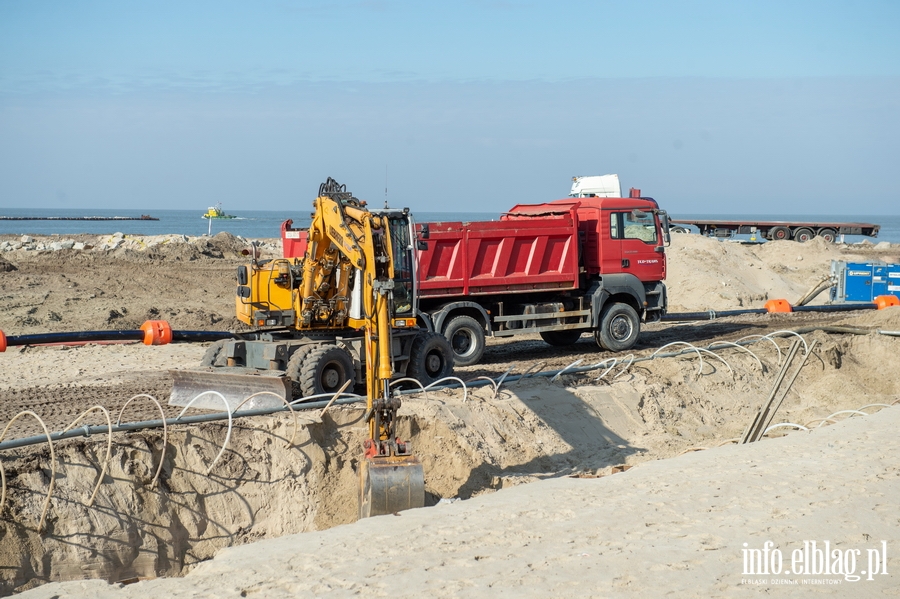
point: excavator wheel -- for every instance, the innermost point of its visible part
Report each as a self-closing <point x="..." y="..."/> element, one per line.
<point x="390" y="484"/>
<point x="430" y="358"/>
<point x="214" y="355"/>
<point x="294" y="367"/>
<point x="325" y="369"/>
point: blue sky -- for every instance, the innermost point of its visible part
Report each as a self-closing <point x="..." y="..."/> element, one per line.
<point x="718" y="107"/>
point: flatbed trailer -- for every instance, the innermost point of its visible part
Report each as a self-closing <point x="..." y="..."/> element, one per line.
<point x="776" y="230"/>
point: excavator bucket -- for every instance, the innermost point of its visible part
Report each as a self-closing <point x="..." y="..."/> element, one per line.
<point x="209" y="389"/>
<point x="390" y="484"/>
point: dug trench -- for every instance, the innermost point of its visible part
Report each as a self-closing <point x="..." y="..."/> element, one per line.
<point x="271" y="481"/>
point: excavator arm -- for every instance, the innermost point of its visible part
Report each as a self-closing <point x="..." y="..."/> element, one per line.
<point x="345" y="237"/>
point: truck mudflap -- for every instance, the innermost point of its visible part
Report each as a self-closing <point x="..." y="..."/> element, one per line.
<point x="207" y="390"/>
<point x="389" y="484"/>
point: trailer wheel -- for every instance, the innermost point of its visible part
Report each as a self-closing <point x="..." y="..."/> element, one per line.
<point x="779" y="233"/>
<point x="466" y="338"/>
<point x="619" y="327"/>
<point x="325" y="369"/>
<point x="803" y="235"/>
<point x="214" y="355"/>
<point x="561" y="338"/>
<point x="679" y="230"/>
<point x="430" y="358"/>
<point x="829" y="235"/>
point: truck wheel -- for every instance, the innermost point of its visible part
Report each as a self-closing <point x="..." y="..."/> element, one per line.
<point x="619" y="327"/>
<point x="214" y="355"/>
<point x="466" y="338"/>
<point x="779" y="233"/>
<point x="679" y="230"/>
<point x="430" y="358"/>
<point x="829" y="235"/>
<point x="325" y="369"/>
<point x="561" y="338"/>
<point x="803" y="235"/>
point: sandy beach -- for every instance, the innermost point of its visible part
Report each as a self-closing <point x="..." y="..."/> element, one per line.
<point x="628" y="484"/>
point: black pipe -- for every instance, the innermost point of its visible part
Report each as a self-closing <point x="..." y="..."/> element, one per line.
<point x="835" y="308"/>
<point x="710" y="314"/>
<point x="86" y="336"/>
<point x="197" y="336"/>
<point x="42" y="338"/>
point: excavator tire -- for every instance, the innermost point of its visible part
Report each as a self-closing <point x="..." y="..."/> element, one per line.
<point x="325" y="369"/>
<point x="214" y="355"/>
<point x="294" y="367"/>
<point x="430" y="358"/>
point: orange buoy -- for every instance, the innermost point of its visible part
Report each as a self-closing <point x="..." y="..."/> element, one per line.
<point x="887" y="301"/>
<point x="778" y="305"/>
<point x="157" y="332"/>
<point x="2" y="342"/>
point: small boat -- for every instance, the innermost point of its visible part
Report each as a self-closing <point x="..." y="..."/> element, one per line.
<point x="216" y="212"/>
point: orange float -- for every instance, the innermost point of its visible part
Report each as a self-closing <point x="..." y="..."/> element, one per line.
<point x="778" y="305"/>
<point x="157" y="332"/>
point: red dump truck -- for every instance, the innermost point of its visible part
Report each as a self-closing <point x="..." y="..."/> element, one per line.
<point x="559" y="269"/>
<point x="562" y="268"/>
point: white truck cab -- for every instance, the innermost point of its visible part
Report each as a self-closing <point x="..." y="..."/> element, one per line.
<point x="597" y="186"/>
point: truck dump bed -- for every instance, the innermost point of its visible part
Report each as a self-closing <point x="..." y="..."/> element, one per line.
<point x="522" y="253"/>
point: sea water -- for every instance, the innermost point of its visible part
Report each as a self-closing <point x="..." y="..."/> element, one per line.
<point x="256" y="224"/>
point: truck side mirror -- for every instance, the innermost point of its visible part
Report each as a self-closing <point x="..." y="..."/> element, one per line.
<point x="664" y="219"/>
<point x="422" y="246"/>
<point x="424" y="232"/>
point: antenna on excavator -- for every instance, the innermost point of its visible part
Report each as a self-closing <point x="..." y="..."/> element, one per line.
<point x="385" y="187"/>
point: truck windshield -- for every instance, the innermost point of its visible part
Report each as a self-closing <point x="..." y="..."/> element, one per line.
<point x="641" y="227"/>
<point x="403" y="267"/>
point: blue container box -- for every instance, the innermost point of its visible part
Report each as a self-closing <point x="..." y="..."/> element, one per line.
<point x="863" y="282"/>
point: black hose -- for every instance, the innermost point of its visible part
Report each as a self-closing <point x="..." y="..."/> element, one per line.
<point x="713" y="314"/>
<point x="43" y="338"/>
<point x="710" y="314"/>
<point x="835" y="308"/>
<point x="138" y="335"/>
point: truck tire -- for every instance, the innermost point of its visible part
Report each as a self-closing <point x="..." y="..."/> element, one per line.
<point x="619" y="327"/>
<point x="325" y="369"/>
<point x="430" y="358"/>
<point x="779" y="233"/>
<point x="214" y="356"/>
<point x="561" y="338"/>
<point x="829" y="235"/>
<point x="466" y="338"/>
<point x="803" y="235"/>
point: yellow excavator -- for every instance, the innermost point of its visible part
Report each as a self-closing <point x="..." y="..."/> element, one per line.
<point x="345" y="312"/>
